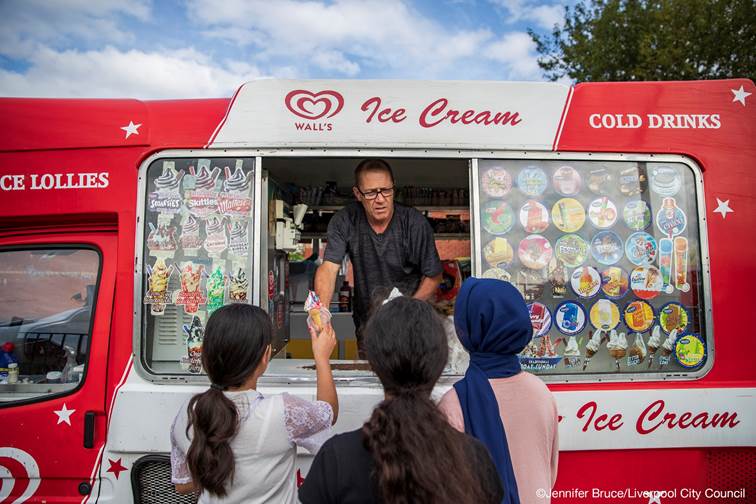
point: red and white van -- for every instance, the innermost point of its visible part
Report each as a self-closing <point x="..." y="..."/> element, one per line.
<point x="624" y="211"/>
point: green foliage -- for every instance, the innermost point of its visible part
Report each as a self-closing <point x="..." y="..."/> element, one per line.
<point x="621" y="40"/>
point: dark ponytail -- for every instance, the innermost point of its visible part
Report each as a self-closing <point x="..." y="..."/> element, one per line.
<point x="419" y="457"/>
<point x="236" y="339"/>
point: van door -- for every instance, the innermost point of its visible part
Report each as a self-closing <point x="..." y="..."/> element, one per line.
<point x="56" y="297"/>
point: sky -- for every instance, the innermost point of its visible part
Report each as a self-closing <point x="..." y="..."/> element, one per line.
<point x="160" y="49"/>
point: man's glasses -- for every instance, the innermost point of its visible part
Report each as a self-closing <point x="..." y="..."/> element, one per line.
<point x="372" y="194"/>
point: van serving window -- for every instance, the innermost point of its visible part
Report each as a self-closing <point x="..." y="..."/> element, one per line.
<point x="46" y="301"/>
<point x="196" y="254"/>
<point x="608" y="256"/>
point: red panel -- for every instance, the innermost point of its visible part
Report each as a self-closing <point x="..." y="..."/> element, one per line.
<point x="727" y="155"/>
<point x="678" y="472"/>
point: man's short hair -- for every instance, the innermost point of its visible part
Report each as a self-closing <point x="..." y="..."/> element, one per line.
<point x="371" y="165"/>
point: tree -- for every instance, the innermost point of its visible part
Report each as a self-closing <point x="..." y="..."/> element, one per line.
<point x="612" y="40"/>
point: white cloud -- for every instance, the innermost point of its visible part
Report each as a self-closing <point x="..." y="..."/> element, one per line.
<point x="27" y="23"/>
<point x="544" y="15"/>
<point x="516" y="51"/>
<point x="110" y="72"/>
<point x="348" y="37"/>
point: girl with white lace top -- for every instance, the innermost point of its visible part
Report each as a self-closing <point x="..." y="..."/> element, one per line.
<point x="231" y="443"/>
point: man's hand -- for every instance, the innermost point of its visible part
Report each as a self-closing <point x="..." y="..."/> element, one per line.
<point x="325" y="281"/>
<point x="427" y="287"/>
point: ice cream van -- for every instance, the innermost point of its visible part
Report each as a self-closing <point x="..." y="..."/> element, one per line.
<point x="623" y="212"/>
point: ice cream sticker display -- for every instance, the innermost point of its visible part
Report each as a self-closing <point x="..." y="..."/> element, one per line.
<point x="572" y="250"/>
<point x="570" y="318"/>
<point x="216" y="240"/>
<point x="654" y="343"/>
<point x="639" y="316"/>
<point x="498" y="217"/>
<point x="532" y="181"/>
<point x="606" y="247"/>
<point x="601" y="253"/>
<point x="498" y="252"/>
<point x="190" y="239"/>
<point x="157" y="295"/>
<point x="535" y="252"/>
<point x="540" y="355"/>
<point x="602" y="212"/>
<point x="496" y="182"/>
<point x="633" y="181"/>
<point x="690" y="351"/>
<point x="665" y="264"/>
<point x="540" y="318"/>
<point x="681" y="264"/>
<point x="641" y="248"/>
<point x="637" y="215"/>
<point x="604" y="315"/>
<point x="568" y="215"/>
<point x="665" y="180"/>
<point x="497" y="274"/>
<point x="614" y="282"/>
<point x="637" y="352"/>
<point x="670" y="220"/>
<point x="571" y="353"/>
<point x="592" y="347"/>
<point x="646" y="282"/>
<point x="585" y="281"/>
<point x="530" y="283"/>
<point x="600" y="181"/>
<point x="191" y="295"/>
<point x="161" y="241"/>
<point x="216" y="289"/>
<point x="203" y="200"/>
<point x="673" y="316"/>
<point x="195" y="335"/>
<point x="166" y="199"/>
<point x="238" y="238"/>
<point x="558" y="277"/>
<point x="534" y="217"/>
<point x="238" y="285"/>
<point x="667" y="348"/>
<point x="234" y="201"/>
<point x="566" y="181"/>
<point x="617" y="346"/>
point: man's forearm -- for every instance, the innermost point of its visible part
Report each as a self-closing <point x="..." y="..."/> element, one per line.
<point x="427" y="287"/>
<point x="325" y="280"/>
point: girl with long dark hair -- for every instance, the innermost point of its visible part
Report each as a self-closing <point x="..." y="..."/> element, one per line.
<point x="511" y="411"/>
<point x="406" y="453"/>
<point x="231" y="443"/>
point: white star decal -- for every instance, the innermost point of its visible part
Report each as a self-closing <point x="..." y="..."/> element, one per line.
<point x="64" y="414"/>
<point x="723" y="208"/>
<point x="740" y="95"/>
<point x="654" y="498"/>
<point x="131" y="129"/>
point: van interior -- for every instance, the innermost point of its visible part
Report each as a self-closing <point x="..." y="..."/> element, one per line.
<point x="439" y="188"/>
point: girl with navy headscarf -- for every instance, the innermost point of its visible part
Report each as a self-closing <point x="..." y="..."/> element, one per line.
<point x="512" y="412"/>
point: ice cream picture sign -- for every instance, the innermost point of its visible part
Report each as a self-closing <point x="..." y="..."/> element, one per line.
<point x="605" y="254"/>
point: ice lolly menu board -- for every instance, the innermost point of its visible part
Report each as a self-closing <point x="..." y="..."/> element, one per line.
<point x="196" y="254"/>
<point x="607" y="256"/>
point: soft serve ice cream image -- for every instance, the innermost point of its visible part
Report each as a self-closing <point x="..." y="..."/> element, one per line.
<point x="654" y="342"/>
<point x="617" y="346"/>
<point x="667" y="348"/>
<point x="571" y="352"/>
<point x="592" y="347"/>
<point x="637" y="352"/>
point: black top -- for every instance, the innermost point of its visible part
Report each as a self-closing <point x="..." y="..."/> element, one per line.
<point x="340" y="473"/>
<point x="398" y="257"/>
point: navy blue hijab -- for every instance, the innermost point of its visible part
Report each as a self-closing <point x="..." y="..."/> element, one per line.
<point x="493" y="324"/>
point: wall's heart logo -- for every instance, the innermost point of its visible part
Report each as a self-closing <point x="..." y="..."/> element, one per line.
<point x="311" y="105"/>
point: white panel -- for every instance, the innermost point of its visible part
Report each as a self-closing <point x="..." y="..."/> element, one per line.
<point x="279" y="113"/>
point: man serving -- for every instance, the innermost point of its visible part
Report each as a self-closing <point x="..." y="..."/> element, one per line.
<point x="389" y="245"/>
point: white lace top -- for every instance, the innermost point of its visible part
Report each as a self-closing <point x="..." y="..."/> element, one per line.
<point x="270" y="429"/>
